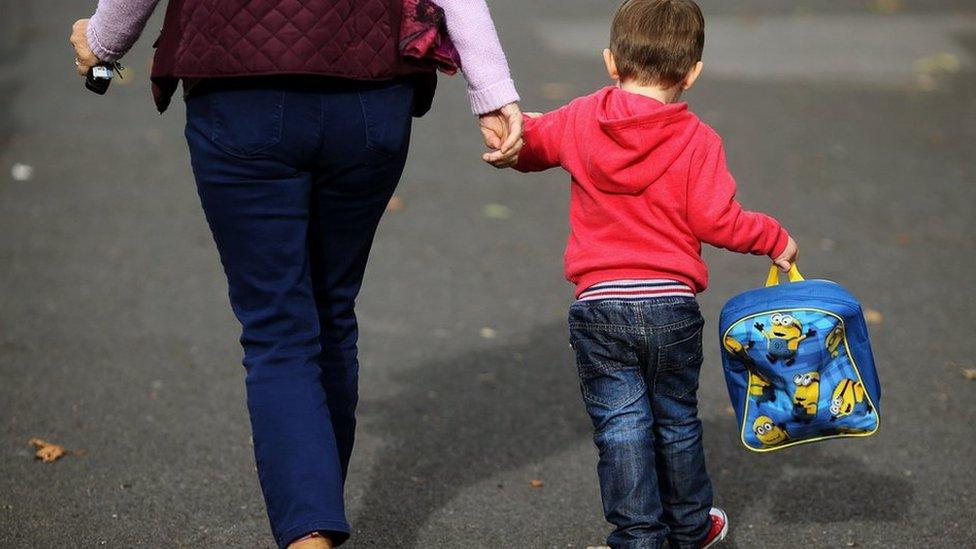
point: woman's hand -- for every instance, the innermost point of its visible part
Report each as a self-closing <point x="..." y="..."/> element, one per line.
<point x="84" y="57"/>
<point x="502" y="130"/>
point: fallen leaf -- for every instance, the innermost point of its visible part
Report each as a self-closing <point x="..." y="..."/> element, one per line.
<point x="940" y="62"/>
<point x="536" y="483"/>
<point x="887" y="6"/>
<point x="873" y="317"/>
<point x="22" y="172"/>
<point x="729" y="411"/>
<point x="497" y="211"/>
<point x="852" y="543"/>
<point x="488" y="333"/>
<point x="969" y="373"/>
<point x="395" y="204"/>
<point x="46" y="451"/>
<point x="557" y="90"/>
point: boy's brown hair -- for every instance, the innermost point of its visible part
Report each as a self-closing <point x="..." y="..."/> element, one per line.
<point x="657" y="41"/>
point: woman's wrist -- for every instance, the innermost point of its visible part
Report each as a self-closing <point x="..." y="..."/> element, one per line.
<point x="493" y="97"/>
<point x="101" y="52"/>
<point x="116" y="25"/>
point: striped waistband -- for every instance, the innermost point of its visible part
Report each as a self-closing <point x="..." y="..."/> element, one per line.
<point x="636" y="289"/>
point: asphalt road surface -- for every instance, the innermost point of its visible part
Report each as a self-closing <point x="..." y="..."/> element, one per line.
<point x="853" y="122"/>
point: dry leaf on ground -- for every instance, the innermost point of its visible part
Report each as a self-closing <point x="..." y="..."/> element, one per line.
<point x="887" y="6"/>
<point x="46" y="451"/>
<point x="488" y="333"/>
<point x="872" y="316"/>
<point x="536" y="483"/>
<point x="939" y="63"/>
<point x="557" y="91"/>
<point x="497" y="211"/>
<point x="395" y="204"/>
<point x="969" y="373"/>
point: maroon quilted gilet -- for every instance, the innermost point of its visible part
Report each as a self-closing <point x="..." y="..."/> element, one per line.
<point x="216" y="38"/>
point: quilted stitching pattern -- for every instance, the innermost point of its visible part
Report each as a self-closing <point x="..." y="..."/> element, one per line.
<point x="233" y="37"/>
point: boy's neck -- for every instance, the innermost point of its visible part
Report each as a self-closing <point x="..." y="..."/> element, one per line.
<point x="664" y="95"/>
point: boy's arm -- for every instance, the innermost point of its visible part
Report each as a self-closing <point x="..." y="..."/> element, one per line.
<point x="544" y="136"/>
<point x="717" y="218"/>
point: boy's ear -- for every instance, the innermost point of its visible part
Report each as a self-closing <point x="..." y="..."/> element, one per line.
<point x="692" y="76"/>
<point x="611" y="64"/>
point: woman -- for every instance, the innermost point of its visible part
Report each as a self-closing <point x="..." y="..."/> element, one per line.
<point x="298" y="121"/>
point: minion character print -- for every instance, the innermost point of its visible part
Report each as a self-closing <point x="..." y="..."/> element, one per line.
<point x="768" y="432"/>
<point x="846" y="396"/>
<point x="806" y="396"/>
<point x="783" y="337"/>
<point x="834" y="340"/>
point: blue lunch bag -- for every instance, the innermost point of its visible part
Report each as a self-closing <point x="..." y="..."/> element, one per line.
<point x="798" y="363"/>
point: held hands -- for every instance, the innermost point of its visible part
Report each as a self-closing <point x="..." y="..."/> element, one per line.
<point x="786" y="259"/>
<point x="502" y="130"/>
<point x="84" y="57"/>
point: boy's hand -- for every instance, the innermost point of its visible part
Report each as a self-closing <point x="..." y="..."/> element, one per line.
<point x="502" y="130"/>
<point x="496" y="158"/>
<point x="786" y="259"/>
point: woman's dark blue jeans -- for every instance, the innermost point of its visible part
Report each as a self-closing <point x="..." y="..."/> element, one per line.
<point x="639" y="363"/>
<point x="294" y="175"/>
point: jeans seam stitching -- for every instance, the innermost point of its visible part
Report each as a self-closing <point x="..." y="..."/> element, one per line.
<point x="607" y="327"/>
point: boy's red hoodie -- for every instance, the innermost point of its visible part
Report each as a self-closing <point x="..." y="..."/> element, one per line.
<point x="649" y="185"/>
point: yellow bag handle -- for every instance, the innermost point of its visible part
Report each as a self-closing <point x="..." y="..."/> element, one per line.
<point x="773" y="278"/>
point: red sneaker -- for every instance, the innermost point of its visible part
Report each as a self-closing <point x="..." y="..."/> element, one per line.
<point x="719" y="529"/>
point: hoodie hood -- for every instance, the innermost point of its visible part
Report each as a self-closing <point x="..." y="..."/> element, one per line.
<point x="644" y="137"/>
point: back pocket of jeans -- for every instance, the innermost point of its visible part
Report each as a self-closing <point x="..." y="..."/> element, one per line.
<point x="608" y="371"/>
<point x="679" y="362"/>
<point x="387" y="115"/>
<point x="246" y="122"/>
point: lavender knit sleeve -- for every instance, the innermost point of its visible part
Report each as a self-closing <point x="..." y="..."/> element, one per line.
<point x="469" y="23"/>
<point x="116" y="26"/>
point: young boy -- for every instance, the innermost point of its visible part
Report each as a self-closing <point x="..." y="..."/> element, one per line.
<point x="649" y="185"/>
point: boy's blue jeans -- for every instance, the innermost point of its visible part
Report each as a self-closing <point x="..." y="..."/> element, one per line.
<point x="294" y="176"/>
<point x="639" y="363"/>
